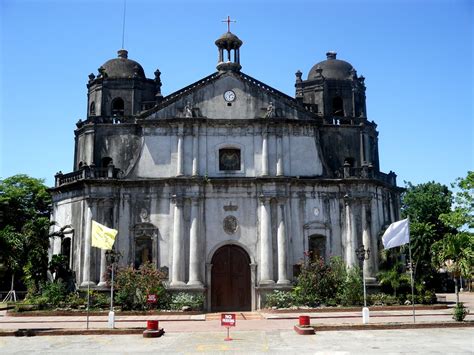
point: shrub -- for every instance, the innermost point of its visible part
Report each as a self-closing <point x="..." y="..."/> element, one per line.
<point x="184" y="299"/>
<point x="52" y="294"/>
<point x="98" y="300"/>
<point x="352" y="290"/>
<point x="134" y="285"/>
<point x="329" y="284"/>
<point x="460" y="312"/>
<point x="74" y="300"/>
<point x="382" y="299"/>
<point x="280" y="299"/>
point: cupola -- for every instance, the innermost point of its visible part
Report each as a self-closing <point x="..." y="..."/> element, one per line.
<point x="229" y="52"/>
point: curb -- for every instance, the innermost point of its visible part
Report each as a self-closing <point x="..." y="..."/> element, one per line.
<point x="39" y="332"/>
<point x="388" y="326"/>
<point x="123" y="331"/>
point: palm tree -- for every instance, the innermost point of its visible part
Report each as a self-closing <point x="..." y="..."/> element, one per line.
<point x="455" y="252"/>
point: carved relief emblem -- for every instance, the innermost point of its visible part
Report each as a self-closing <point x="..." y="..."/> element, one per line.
<point x="230" y="224"/>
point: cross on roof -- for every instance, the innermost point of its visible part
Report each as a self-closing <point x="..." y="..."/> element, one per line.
<point x="228" y="20"/>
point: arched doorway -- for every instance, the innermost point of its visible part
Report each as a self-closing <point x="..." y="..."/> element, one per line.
<point x="230" y="280"/>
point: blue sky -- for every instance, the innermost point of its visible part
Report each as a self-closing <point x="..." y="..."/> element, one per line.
<point x="416" y="57"/>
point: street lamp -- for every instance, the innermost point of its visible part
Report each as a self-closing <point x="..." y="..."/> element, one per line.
<point x="364" y="254"/>
<point x="112" y="258"/>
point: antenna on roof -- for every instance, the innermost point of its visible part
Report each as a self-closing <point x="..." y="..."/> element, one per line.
<point x="123" y="22"/>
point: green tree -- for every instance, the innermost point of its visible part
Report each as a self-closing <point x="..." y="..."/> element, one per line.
<point x="22" y="199"/>
<point x="455" y="251"/>
<point x="424" y="204"/>
<point x="24" y="224"/>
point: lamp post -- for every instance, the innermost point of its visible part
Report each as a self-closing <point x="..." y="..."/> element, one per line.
<point x="364" y="254"/>
<point x="112" y="258"/>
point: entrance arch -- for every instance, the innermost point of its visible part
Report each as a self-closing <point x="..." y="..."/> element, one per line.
<point x="230" y="279"/>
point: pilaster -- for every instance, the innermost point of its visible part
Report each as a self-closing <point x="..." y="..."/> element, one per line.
<point x="177" y="271"/>
<point x="194" y="242"/>
<point x="266" y="255"/>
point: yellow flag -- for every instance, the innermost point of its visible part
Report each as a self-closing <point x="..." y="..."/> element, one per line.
<point x="102" y="236"/>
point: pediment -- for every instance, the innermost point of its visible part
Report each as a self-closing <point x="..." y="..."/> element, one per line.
<point x="228" y="95"/>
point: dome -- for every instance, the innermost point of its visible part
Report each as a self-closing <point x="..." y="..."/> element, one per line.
<point x="332" y="68"/>
<point x="122" y="67"/>
<point x="228" y="41"/>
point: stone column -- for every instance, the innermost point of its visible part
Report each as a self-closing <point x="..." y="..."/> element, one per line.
<point x="391" y="207"/>
<point x="177" y="272"/>
<point x="279" y="167"/>
<point x="282" y="245"/>
<point x="86" y="265"/>
<point x="194" y="255"/>
<point x="374" y="254"/>
<point x="195" y="169"/>
<point x="180" y="160"/>
<point x="266" y="255"/>
<point x="103" y="269"/>
<point x="253" y="277"/>
<point x="366" y="241"/>
<point x="264" y="152"/>
<point x="350" y="237"/>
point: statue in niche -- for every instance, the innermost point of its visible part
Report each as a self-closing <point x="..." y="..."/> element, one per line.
<point x="188" y="112"/>
<point x="144" y="216"/>
<point x="270" y="111"/>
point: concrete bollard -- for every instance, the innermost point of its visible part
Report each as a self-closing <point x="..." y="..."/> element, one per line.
<point x="365" y="315"/>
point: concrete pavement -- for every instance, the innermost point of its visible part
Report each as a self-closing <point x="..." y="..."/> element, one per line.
<point x="403" y="341"/>
<point x="245" y="322"/>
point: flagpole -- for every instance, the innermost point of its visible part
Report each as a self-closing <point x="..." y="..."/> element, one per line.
<point x="411" y="274"/>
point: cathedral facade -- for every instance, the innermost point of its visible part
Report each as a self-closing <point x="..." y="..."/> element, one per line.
<point x="227" y="183"/>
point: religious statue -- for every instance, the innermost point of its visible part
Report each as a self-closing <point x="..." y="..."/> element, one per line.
<point x="187" y="110"/>
<point x="270" y="113"/>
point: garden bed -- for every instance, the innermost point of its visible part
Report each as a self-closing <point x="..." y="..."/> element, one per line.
<point x="355" y="309"/>
<point x="75" y="313"/>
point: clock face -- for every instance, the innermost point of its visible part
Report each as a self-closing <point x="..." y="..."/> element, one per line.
<point x="229" y="96"/>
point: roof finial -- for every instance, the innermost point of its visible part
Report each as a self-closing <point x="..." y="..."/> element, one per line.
<point x="228" y="20"/>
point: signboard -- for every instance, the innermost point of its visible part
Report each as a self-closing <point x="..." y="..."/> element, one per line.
<point x="152" y="298"/>
<point x="228" y="319"/>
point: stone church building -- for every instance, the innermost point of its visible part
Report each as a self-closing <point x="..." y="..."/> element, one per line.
<point x="225" y="183"/>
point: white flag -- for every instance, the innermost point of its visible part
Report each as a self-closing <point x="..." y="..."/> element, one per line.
<point x="398" y="233"/>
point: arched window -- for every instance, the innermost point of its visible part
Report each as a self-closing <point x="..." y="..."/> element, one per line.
<point x="66" y="249"/>
<point x="337" y="106"/>
<point x="117" y="107"/>
<point x="229" y="159"/>
<point x="106" y="161"/>
<point x="92" y="109"/>
<point x="317" y="246"/>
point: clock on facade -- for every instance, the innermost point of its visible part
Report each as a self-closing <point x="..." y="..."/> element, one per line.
<point x="229" y="96"/>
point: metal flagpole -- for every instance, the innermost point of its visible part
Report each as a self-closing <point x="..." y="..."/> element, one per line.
<point x="411" y="274"/>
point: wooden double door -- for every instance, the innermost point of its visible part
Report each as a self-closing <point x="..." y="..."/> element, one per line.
<point x="230" y="280"/>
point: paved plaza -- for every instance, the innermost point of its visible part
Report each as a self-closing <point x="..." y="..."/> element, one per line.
<point x="408" y="341"/>
<point x="256" y="332"/>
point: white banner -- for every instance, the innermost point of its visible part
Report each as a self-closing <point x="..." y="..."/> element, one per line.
<point x="398" y="233"/>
